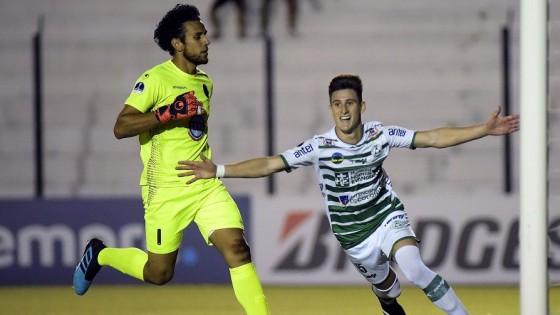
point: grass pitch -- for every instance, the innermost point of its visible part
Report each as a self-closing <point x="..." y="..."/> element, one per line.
<point x="145" y="299"/>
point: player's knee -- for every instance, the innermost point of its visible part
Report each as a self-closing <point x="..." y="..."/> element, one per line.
<point x="159" y="276"/>
<point x="418" y="274"/>
<point x="238" y="253"/>
<point x="413" y="267"/>
<point x="392" y="292"/>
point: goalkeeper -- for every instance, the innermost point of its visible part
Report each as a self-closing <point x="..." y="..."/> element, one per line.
<point x="348" y="160"/>
<point x="168" y="109"/>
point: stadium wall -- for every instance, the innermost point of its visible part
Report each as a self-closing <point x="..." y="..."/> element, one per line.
<point x="469" y="240"/>
<point x="41" y="241"/>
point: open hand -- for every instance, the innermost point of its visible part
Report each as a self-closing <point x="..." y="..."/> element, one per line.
<point x="198" y="169"/>
<point x="501" y="125"/>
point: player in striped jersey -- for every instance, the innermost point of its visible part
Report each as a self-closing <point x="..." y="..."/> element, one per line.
<point x="364" y="212"/>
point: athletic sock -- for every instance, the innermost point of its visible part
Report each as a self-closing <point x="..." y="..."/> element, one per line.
<point x="434" y="286"/>
<point x="130" y="261"/>
<point x="391" y="308"/>
<point x="248" y="289"/>
<point x="443" y="296"/>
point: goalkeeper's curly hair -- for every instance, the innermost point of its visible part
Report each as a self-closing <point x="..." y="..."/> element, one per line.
<point x="171" y="25"/>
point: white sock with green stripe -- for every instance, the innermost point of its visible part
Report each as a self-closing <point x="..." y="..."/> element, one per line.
<point x="435" y="287"/>
<point x="443" y="296"/>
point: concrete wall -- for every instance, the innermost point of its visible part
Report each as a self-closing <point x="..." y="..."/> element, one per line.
<point x="424" y="64"/>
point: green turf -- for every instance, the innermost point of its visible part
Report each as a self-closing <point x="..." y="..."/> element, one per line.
<point x="220" y="300"/>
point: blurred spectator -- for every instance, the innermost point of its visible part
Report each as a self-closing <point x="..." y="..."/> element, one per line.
<point x="215" y="19"/>
<point x="316" y="5"/>
<point x="292" y="16"/>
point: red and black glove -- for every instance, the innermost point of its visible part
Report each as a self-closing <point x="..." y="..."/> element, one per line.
<point x="184" y="106"/>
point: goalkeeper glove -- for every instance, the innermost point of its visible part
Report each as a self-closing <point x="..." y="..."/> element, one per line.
<point x="184" y="106"/>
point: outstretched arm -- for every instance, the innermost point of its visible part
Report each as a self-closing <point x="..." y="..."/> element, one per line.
<point x="252" y="168"/>
<point x="496" y="125"/>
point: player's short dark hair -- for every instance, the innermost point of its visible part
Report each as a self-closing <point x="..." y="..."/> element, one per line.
<point x="346" y="81"/>
<point x="171" y="25"/>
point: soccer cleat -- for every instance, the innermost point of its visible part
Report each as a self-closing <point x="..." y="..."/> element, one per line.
<point x="391" y="308"/>
<point x="88" y="266"/>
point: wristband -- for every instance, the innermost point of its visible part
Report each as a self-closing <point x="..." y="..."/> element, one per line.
<point x="220" y="171"/>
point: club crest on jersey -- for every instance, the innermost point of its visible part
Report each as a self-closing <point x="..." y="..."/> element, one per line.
<point x="328" y="142"/>
<point x="337" y="158"/>
<point x="376" y="149"/>
<point x="373" y="133"/>
<point x="197" y="127"/>
<point x="345" y="199"/>
<point x="139" y="87"/>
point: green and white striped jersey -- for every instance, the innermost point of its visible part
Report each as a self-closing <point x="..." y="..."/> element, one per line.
<point x="356" y="190"/>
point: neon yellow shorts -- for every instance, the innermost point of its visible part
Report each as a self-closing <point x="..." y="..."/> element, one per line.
<point x="169" y="210"/>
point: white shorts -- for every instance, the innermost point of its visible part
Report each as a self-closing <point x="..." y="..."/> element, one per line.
<point x="371" y="257"/>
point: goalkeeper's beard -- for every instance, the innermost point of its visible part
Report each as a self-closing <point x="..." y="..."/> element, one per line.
<point x="197" y="60"/>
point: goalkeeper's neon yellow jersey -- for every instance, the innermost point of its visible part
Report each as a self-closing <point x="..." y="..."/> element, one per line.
<point x="185" y="139"/>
